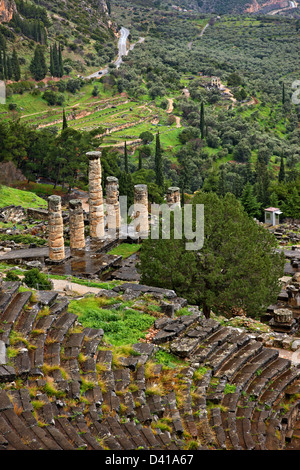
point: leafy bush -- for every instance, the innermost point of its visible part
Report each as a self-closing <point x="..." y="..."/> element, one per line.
<point x="120" y="325"/>
<point x="37" y="280"/>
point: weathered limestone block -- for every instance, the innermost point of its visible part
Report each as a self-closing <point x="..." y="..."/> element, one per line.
<point x="77" y="239"/>
<point x="95" y="195"/>
<point x="173" y="197"/>
<point x="112" y="206"/>
<point x="283" y="315"/>
<point x="141" y="220"/>
<point x="56" y="229"/>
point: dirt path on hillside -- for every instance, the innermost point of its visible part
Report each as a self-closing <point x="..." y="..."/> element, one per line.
<point x="72" y="287"/>
<point x="171" y="106"/>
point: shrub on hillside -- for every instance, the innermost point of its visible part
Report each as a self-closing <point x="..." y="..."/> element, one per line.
<point x="37" y="280"/>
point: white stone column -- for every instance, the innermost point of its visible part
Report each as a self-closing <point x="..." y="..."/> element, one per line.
<point x="112" y="206"/>
<point x="173" y="197"/>
<point x="76" y="225"/>
<point x="96" y="214"/>
<point x="56" y="229"/>
<point x="141" y="220"/>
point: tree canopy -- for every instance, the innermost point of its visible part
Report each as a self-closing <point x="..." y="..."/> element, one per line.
<point x="237" y="270"/>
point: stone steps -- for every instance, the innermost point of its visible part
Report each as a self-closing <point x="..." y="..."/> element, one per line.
<point x="11" y="314"/>
<point x="243" y="400"/>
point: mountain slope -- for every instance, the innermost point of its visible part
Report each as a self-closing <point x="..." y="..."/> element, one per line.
<point x="82" y="27"/>
<point x="235" y="6"/>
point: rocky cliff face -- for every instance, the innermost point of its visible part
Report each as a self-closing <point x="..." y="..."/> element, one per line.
<point x="266" y="5"/>
<point x="7" y="8"/>
<point x="103" y="6"/>
<point x="241" y="6"/>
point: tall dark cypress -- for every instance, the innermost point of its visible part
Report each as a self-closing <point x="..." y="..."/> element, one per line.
<point x="158" y="163"/>
<point x="15" y="66"/>
<point x="4" y="64"/>
<point x="1" y="67"/>
<point x="38" y="66"/>
<point x="140" y="161"/>
<point x="52" y="71"/>
<point x="60" y="62"/>
<point x="65" y="124"/>
<point x="281" y="176"/>
<point x="55" y="61"/>
<point x="9" y="68"/>
<point x="126" y="158"/>
<point x="202" y="121"/>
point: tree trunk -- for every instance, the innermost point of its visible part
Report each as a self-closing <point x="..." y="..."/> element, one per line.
<point x="206" y="311"/>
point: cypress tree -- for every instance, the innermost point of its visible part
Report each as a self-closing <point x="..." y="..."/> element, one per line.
<point x="4" y="64"/>
<point x="15" y="65"/>
<point x="38" y="66"/>
<point x="9" y="68"/>
<point x="60" y="62"/>
<point x="126" y="158"/>
<point x="140" y="161"/>
<point x="1" y="66"/>
<point x="55" y="61"/>
<point x="283" y="94"/>
<point x="281" y="176"/>
<point x="158" y="163"/>
<point x="65" y="124"/>
<point x="52" y="71"/>
<point x="202" y="121"/>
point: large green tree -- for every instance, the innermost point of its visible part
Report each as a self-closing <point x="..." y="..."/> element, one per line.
<point x="237" y="268"/>
<point x="38" y="66"/>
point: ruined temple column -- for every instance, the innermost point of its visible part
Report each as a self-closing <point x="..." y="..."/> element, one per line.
<point x="77" y="239"/>
<point x="173" y="197"/>
<point x="112" y="205"/>
<point x="141" y="221"/>
<point x="95" y="196"/>
<point x="56" y="229"/>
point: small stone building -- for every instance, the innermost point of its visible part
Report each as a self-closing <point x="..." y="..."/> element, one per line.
<point x="272" y="215"/>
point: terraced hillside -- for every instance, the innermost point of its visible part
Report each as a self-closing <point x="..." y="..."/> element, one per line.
<point x="188" y="383"/>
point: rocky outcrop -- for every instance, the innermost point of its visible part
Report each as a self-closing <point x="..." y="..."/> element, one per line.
<point x="103" y="6"/>
<point x="7" y="9"/>
<point x="238" y="6"/>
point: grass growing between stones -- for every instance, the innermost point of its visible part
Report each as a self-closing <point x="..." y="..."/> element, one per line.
<point x="120" y="323"/>
<point x="125" y="250"/>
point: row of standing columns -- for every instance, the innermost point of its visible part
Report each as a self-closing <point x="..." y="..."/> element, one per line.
<point x="100" y="226"/>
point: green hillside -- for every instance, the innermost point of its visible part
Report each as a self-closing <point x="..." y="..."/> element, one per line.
<point x="11" y="196"/>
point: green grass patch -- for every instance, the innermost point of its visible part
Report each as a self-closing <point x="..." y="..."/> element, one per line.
<point x="24" y="239"/>
<point x="12" y="196"/>
<point x="125" y="250"/>
<point x="121" y="325"/>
